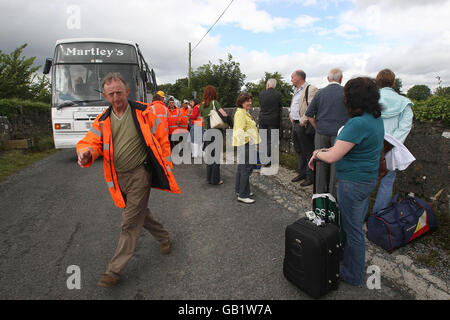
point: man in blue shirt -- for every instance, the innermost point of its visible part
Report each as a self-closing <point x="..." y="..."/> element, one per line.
<point x="327" y="113"/>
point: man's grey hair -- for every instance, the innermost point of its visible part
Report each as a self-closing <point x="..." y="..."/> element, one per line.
<point x="271" y="83"/>
<point x="114" y="76"/>
<point x="301" y="74"/>
<point x="335" y="74"/>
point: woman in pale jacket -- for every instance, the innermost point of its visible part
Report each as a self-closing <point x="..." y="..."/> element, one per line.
<point x="245" y="138"/>
<point x="397" y="117"/>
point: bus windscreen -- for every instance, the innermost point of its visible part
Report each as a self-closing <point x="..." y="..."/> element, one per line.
<point x="82" y="83"/>
<point x="95" y="52"/>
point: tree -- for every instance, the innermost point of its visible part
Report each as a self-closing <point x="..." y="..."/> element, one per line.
<point x="225" y="76"/>
<point x="419" y="92"/>
<point x="16" y="75"/>
<point x="442" y="91"/>
<point x="41" y="90"/>
<point x="177" y="89"/>
<point x="282" y="86"/>
<point x="398" y="84"/>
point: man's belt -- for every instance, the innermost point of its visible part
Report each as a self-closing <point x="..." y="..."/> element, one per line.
<point x="296" y="121"/>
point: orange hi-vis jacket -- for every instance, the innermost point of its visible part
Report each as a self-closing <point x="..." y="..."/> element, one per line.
<point x="152" y="131"/>
<point x="160" y="109"/>
<point x="184" y="119"/>
<point x="196" y="119"/>
<point x="174" y="116"/>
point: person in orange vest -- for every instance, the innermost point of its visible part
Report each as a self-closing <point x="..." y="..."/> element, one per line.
<point x="174" y="117"/>
<point x="159" y="108"/>
<point x="196" y="128"/>
<point x="185" y="112"/>
<point x="136" y="158"/>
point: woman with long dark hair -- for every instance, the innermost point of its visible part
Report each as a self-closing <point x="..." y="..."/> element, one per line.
<point x="209" y="102"/>
<point x="357" y="154"/>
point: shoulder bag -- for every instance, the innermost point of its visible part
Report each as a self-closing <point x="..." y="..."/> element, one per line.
<point x="216" y="119"/>
<point x="309" y="129"/>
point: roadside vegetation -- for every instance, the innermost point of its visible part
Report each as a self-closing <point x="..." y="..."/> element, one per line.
<point x="22" y="91"/>
<point x="12" y="161"/>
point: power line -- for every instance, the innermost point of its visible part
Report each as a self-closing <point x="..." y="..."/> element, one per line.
<point x="212" y="25"/>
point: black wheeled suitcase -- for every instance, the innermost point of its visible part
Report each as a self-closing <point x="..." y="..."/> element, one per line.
<point x="311" y="260"/>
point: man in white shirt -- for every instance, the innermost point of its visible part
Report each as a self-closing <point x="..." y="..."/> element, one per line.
<point x="302" y="135"/>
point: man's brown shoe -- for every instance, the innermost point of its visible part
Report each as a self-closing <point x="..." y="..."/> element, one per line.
<point x="108" y="281"/>
<point x="165" y="247"/>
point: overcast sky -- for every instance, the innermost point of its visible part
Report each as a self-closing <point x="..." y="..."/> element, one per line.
<point x="411" y="37"/>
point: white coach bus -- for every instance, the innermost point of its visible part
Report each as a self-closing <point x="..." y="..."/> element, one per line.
<point x="78" y="68"/>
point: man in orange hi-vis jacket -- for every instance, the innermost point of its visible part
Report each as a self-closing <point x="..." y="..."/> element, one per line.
<point x="185" y="112"/>
<point x="159" y="109"/>
<point x="174" y="117"/>
<point x="136" y="158"/>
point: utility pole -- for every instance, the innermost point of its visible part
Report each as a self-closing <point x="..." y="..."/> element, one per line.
<point x="189" y="70"/>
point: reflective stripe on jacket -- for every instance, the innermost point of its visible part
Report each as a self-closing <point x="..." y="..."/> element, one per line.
<point x="151" y="129"/>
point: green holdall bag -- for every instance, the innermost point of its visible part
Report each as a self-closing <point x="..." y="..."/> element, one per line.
<point x="326" y="208"/>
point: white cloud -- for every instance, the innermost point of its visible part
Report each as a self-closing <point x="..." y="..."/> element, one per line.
<point x="305" y="20"/>
<point x="411" y="37"/>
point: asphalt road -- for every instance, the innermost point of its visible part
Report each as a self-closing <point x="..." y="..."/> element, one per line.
<point x="55" y="214"/>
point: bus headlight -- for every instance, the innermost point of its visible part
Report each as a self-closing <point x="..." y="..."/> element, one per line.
<point x="62" y="126"/>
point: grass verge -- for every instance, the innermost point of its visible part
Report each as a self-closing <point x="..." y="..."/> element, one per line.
<point x="12" y="161"/>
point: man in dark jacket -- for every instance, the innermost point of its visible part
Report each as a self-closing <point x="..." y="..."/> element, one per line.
<point x="327" y="113"/>
<point x="270" y="112"/>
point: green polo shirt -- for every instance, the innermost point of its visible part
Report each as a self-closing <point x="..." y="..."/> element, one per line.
<point x="129" y="151"/>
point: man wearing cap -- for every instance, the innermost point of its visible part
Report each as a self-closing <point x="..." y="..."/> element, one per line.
<point x="184" y="117"/>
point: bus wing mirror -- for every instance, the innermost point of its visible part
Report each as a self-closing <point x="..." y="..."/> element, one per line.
<point x="48" y="65"/>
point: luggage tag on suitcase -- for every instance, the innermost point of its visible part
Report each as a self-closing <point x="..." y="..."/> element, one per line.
<point x="312" y="217"/>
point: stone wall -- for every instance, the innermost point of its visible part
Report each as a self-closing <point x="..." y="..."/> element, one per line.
<point x="4" y="129"/>
<point x="28" y="123"/>
<point x="425" y="177"/>
<point x="429" y="174"/>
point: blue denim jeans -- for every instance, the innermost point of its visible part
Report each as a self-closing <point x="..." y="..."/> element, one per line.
<point x="384" y="193"/>
<point x="353" y="199"/>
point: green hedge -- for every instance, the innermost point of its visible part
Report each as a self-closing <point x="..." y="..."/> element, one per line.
<point x="433" y="109"/>
<point x="11" y="107"/>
